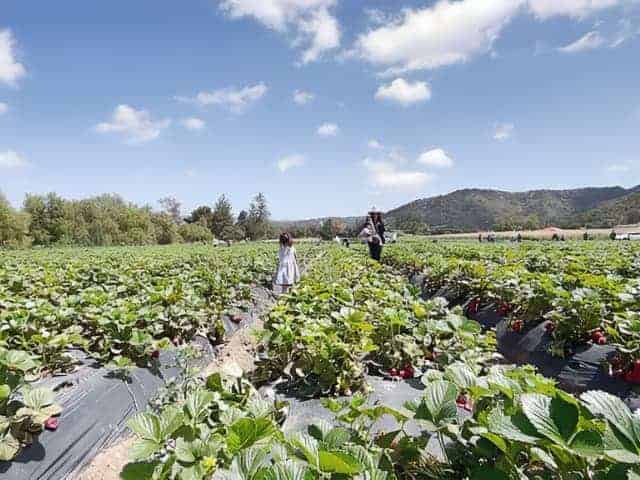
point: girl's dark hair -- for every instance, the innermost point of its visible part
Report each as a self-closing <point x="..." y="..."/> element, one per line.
<point x="285" y="238"/>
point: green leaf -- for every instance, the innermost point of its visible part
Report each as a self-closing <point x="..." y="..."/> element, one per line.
<point x="171" y="419"/>
<point x="438" y="405"/>
<point x="338" y="462"/>
<point x="138" y="471"/>
<point x="554" y="418"/>
<point x="513" y="428"/>
<point x="614" y="411"/>
<point x="9" y="447"/>
<point x="197" y="404"/>
<point x="246" y="432"/>
<point x="184" y="451"/>
<point x="147" y="426"/>
<point x="144" y="449"/>
<point x="461" y="375"/>
<point x="38" y="398"/>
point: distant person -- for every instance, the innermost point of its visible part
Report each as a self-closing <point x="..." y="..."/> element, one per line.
<point x="345" y="242"/>
<point x="288" y="273"/>
<point x="519" y="237"/>
<point x="373" y="234"/>
<point x="480" y="238"/>
<point x="613" y="235"/>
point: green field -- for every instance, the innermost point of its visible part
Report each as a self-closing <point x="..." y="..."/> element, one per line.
<point x="348" y="319"/>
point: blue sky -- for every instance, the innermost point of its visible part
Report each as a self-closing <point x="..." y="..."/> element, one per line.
<point x="396" y="99"/>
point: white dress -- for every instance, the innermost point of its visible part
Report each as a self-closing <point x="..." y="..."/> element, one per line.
<point x="288" y="272"/>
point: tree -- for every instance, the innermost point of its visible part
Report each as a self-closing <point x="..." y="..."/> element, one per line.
<point x="257" y="224"/>
<point x="166" y="229"/>
<point x="332" y="227"/>
<point x="195" y="232"/>
<point x="222" y="219"/>
<point x="172" y="206"/>
<point x="14" y="225"/>
<point x="202" y="215"/>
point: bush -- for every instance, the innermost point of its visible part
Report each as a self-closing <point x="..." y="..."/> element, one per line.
<point x="193" y="232"/>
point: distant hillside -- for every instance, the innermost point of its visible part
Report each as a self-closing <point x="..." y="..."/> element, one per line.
<point x="476" y="209"/>
<point x="620" y="211"/>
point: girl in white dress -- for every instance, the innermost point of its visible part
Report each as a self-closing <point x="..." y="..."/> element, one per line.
<point x="288" y="272"/>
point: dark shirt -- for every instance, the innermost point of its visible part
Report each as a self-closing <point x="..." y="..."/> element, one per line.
<point x="380" y="229"/>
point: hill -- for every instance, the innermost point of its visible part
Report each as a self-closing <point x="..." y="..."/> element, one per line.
<point x="478" y="209"/>
<point x="620" y="211"/>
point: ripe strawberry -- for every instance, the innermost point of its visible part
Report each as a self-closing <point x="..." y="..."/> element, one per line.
<point x="602" y="340"/>
<point x="51" y="424"/>
<point x="517" y="326"/>
<point x="402" y="373"/>
<point x="550" y="327"/>
<point x="393" y="372"/>
<point x="595" y="336"/>
<point x="633" y="375"/>
<point x="409" y="372"/>
<point x="155" y="354"/>
<point x="461" y="400"/>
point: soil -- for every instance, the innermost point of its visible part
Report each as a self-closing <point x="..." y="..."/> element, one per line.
<point x="240" y="349"/>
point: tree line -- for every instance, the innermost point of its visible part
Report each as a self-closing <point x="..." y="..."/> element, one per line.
<point x="105" y="220"/>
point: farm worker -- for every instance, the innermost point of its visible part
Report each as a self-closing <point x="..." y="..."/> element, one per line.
<point x="288" y="272"/>
<point x="373" y="234"/>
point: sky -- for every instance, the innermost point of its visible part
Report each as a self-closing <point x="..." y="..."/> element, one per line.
<point x="327" y="106"/>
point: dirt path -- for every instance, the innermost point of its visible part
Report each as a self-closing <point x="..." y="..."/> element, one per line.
<point x="240" y="349"/>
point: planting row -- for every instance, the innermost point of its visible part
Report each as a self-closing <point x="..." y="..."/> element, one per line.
<point x="475" y="419"/>
<point x="120" y="305"/>
<point x="589" y="292"/>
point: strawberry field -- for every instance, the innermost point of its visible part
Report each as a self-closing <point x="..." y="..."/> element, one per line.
<point x="349" y="329"/>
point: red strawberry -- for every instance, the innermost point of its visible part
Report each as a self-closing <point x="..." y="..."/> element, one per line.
<point x="595" y="336"/>
<point x="393" y="372"/>
<point x="461" y="400"/>
<point x="517" y="326"/>
<point x="402" y="373"/>
<point x="550" y="327"/>
<point x="51" y="424"/>
<point x="155" y="354"/>
<point x="409" y="372"/>
<point x="602" y="340"/>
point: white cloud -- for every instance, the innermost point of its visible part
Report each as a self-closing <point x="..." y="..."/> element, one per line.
<point x="4" y="108"/>
<point x="403" y="92"/>
<point x="302" y="98"/>
<point x="236" y="100"/>
<point x="10" y="69"/>
<point x="328" y="130"/>
<point x="446" y="33"/>
<point x="627" y="30"/>
<point x="136" y="125"/>
<point x="311" y="21"/>
<point x="544" y="9"/>
<point x="375" y="144"/>
<point x="193" y="123"/>
<point x="590" y="41"/>
<point x="503" y="131"/>
<point x="436" y="158"/>
<point x="11" y="159"/>
<point x="291" y="161"/>
<point x="387" y="175"/>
